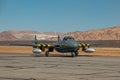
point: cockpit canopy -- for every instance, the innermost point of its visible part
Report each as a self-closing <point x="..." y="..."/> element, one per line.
<point x="68" y="38"/>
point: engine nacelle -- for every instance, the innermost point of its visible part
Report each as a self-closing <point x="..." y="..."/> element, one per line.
<point x="36" y="50"/>
<point x="89" y="50"/>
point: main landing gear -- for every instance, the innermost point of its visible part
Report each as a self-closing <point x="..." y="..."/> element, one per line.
<point x="47" y="53"/>
<point x="74" y="53"/>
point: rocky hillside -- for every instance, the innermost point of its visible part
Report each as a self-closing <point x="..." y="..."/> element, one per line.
<point x="53" y="33"/>
<point x="112" y="33"/>
<point x="24" y="35"/>
<point x="102" y="34"/>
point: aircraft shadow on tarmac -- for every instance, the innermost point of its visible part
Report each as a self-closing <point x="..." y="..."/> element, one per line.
<point x="60" y="55"/>
<point x="42" y="55"/>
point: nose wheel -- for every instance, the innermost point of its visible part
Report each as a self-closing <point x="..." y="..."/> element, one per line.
<point x="75" y="53"/>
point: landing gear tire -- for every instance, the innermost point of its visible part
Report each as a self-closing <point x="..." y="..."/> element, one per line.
<point x="47" y="53"/>
<point x="76" y="53"/>
<point x="73" y="54"/>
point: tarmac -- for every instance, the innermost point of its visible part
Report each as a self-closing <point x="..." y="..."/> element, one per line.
<point x="57" y="67"/>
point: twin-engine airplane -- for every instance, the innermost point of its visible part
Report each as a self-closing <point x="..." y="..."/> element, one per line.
<point x="68" y="44"/>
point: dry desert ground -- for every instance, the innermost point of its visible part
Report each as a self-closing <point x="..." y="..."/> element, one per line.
<point x="16" y="63"/>
<point x="28" y="50"/>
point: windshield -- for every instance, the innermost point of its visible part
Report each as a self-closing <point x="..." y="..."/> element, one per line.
<point x="68" y="38"/>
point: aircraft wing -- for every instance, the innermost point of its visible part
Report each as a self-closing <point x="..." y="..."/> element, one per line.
<point x="21" y="44"/>
<point x="86" y="48"/>
<point x="83" y="45"/>
<point x="32" y="45"/>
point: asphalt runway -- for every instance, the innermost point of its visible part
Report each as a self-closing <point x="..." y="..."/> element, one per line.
<point x="27" y="67"/>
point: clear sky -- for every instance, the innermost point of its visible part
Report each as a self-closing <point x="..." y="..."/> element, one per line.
<point x="58" y="15"/>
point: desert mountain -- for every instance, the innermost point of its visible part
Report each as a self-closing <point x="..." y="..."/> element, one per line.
<point x="16" y="35"/>
<point x="102" y="34"/>
<point x="25" y="35"/>
<point x="112" y="33"/>
<point x="53" y="33"/>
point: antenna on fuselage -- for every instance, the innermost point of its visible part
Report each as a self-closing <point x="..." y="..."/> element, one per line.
<point x="35" y="40"/>
<point x="59" y="40"/>
<point x="58" y="37"/>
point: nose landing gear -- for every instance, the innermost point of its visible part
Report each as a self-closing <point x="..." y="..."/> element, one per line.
<point x="74" y="53"/>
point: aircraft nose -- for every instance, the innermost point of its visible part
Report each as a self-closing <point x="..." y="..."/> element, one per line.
<point x="73" y="44"/>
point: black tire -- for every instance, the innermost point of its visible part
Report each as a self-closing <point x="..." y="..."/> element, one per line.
<point x="76" y="53"/>
<point x="47" y="53"/>
<point x="73" y="54"/>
